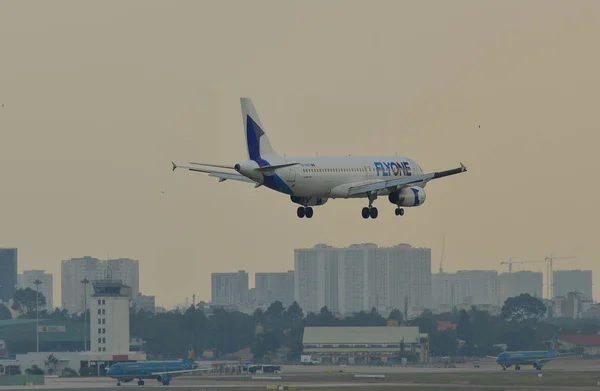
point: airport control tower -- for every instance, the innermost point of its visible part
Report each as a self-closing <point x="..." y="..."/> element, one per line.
<point x="109" y="317"/>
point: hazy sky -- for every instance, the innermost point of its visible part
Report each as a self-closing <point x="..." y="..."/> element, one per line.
<point x="99" y="97"/>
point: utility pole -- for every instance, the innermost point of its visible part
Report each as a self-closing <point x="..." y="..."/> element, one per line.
<point x="85" y="281"/>
<point x="37" y="283"/>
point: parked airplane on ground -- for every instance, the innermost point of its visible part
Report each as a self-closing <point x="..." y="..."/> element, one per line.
<point x="312" y="180"/>
<point x="162" y="371"/>
<point x="535" y="358"/>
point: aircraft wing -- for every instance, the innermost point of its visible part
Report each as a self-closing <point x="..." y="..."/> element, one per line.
<point x="222" y="175"/>
<point x="396" y="184"/>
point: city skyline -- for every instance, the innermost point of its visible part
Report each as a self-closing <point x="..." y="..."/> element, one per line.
<point x="91" y="126"/>
<point x="57" y="283"/>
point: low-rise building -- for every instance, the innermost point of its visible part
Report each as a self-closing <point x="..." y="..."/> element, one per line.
<point x="588" y="344"/>
<point x="364" y="345"/>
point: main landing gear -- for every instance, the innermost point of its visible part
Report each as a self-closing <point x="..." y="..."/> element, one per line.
<point x="370" y="211"/>
<point x="305" y="212"/>
<point x="399" y="211"/>
<point x="140" y="382"/>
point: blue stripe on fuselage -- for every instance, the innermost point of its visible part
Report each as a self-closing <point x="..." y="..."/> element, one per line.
<point x="276" y="183"/>
<point x="273" y="181"/>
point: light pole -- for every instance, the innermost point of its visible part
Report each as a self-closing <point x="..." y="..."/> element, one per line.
<point x="37" y="283"/>
<point x="85" y="281"/>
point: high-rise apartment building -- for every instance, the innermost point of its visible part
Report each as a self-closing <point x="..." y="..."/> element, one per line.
<point x="27" y="280"/>
<point x="126" y="271"/>
<point x="270" y="287"/>
<point x="75" y="270"/>
<point x="8" y="273"/>
<point x="466" y="287"/>
<point x="362" y="276"/>
<point x="229" y="288"/>
<point x="517" y="283"/>
<point x="567" y="281"/>
<point x="316" y="278"/>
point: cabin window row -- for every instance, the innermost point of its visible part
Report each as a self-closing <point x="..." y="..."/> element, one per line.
<point x="337" y="169"/>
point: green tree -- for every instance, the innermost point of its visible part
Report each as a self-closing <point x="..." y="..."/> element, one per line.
<point x="364" y="318"/>
<point x="323" y="318"/>
<point x="24" y="301"/>
<point x="4" y="312"/>
<point x="294" y="320"/>
<point x="523" y="307"/>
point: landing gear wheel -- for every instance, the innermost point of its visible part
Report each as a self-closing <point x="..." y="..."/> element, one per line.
<point x="300" y="212"/>
<point x="140" y="383"/>
<point x="374" y="213"/>
<point x="308" y="212"/>
<point x="399" y="212"/>
<point x="365" y="213"/>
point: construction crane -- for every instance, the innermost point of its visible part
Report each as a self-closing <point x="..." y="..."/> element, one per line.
<point x="510" y="263"/>
<point x="550" y="274"/>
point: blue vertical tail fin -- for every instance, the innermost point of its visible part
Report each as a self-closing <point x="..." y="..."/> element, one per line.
<point x="553" y="343"/>
<point x="257" y="142"/>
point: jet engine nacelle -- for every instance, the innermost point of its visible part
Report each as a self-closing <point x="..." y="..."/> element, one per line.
<point x="248" y="168"/>
<point x="165" y="380"/>
<point x="408" y="196"/>
<point x="308" y="201"/>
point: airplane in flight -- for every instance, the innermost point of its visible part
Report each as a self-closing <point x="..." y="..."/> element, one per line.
<point x="535" y="358"/>
<point x="313" y="180"/>
<point x="161" y="371"/>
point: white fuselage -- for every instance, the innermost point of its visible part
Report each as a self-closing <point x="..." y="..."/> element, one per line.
<point x="330" y="176"/>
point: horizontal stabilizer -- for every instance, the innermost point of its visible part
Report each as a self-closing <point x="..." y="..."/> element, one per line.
<point x="276" y="166"/>
<point x="223" y="176"/>
<point x="212" y="165"/>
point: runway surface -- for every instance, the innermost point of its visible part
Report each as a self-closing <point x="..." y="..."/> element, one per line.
<point x="571" y="374"/>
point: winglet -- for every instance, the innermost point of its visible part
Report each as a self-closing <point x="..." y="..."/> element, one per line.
<point x="174" y="166"/>
<point x="462" y="166"/>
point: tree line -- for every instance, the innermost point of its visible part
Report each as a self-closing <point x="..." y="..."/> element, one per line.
<point x="521" y="325"/>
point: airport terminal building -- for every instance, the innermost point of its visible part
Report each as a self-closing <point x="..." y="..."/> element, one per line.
<point x="365" y="345"/>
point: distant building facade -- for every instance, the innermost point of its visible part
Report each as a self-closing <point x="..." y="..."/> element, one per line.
<point x="75" y="270"/>
<point x="574" y="305"/>
<point x="470" y="287"/>
<point x="27" y="279"/>
<point x="521" y="282"/>
<point x="362" y="276"/>
<point x="145" y="303"/>
<point x="270" y="287"/>
<point x="8" y="273"/>
<point x="229" y="288"/>
<point x="566" y="281"/>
